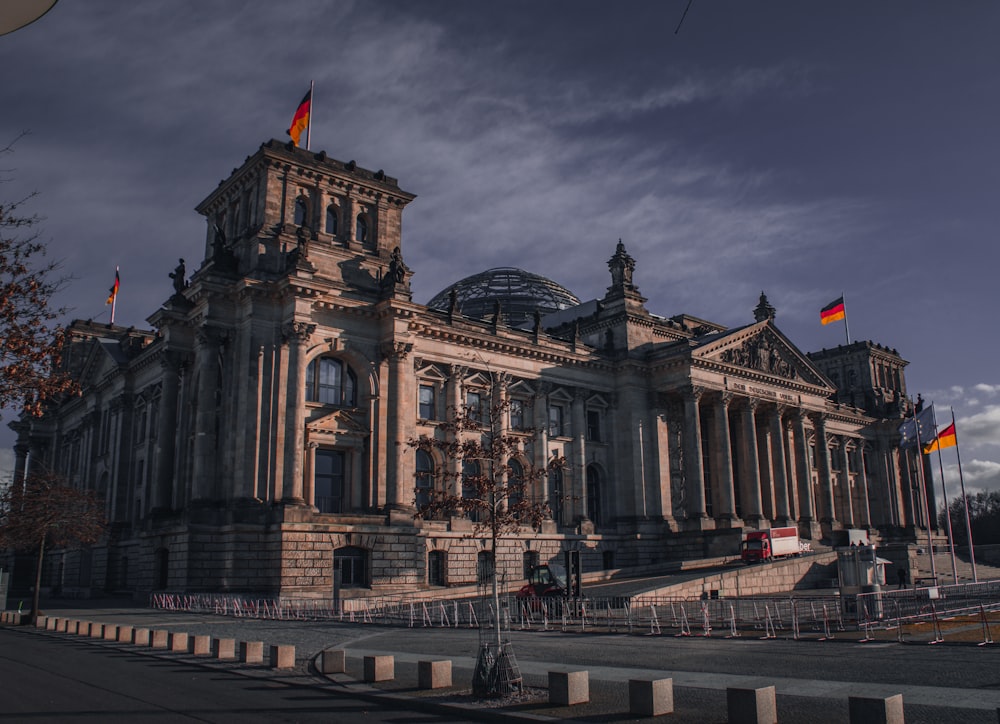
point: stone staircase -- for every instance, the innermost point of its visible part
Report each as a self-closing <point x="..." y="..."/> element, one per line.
<point x="942" y="563"/>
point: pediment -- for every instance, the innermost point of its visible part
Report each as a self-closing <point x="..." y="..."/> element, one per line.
<point x="521" y="389"/>
<point x="99" y="362"/>
<point x="431" y="372"/>
<point x="762" y="349"/>
<point x="338" y="422"/>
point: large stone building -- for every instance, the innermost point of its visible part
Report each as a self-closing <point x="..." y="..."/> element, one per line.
<point x="255" y="438"/>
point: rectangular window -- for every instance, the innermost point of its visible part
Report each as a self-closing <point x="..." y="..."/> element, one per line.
<point x="594" y="425"/>
<point x="516" y="415"/>
<point x="474" y="406"/>
<point x="328" y="481"/>
<point x="426" y="403"/>
<point x="555" y="421"/>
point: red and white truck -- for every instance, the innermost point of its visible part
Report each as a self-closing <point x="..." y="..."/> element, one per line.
<point x="766" y="545"/>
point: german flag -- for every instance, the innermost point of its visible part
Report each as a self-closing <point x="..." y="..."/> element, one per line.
<point x="833" y="312"/>
<point x="945" y="439"/>
<point x="300" y="121"/>
<point x="114" y="288"/>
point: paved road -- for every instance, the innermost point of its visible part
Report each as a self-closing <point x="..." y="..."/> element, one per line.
<point x="56" y="679"/>
<point x="949" y="682"/>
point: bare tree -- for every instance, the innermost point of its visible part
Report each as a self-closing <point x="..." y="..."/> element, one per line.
<point x="30" y="343"/>
<point x="478" y="480"/>
<point x="42" y="511"/>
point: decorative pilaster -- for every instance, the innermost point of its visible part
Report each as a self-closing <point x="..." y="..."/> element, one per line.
<point x="845" y="484"/>
<point x="808" y="525"/>
<point x="399" y="494"/>
<point x="861" y="482"/>
<point x="163" y="478"/>
<point x="579" y="462"/>
<point x="209" y="342"/>
<point x="296" y="335"/>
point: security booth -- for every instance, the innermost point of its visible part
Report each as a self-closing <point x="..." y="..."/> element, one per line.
<point x="860" y="570"/>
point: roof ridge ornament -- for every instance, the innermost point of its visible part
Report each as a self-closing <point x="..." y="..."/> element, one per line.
<point x="764" y="309"/>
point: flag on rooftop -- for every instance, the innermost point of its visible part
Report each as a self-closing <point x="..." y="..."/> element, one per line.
<point x="114" y="289"/>
<point x="300" y="121"/>
<point x="945" y="439"/>
<point x="921" y="424"/>
<point x="833" y="312"/>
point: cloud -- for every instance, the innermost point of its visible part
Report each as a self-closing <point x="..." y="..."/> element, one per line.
<point x="980" y="475"/>
<point x="982" y="428"/>
<point x="985" y="389"/>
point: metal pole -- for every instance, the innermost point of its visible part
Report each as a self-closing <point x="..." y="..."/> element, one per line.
<point x="847" y="330"/>
<point x="923" y="493"/>
<point x="309" y="120"/>
<point x="947" y="511"/>
<point x="965" y="502"/>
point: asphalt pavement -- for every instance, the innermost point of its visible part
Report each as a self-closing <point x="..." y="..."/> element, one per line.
<point x="813" y="678"/>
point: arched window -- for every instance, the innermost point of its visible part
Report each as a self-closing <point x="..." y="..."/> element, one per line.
<point x="470" y="471"/>
<point x="556" y="495"/>
<point x="424" y="478"/>
<point x="300" y="211"/>
<point x="331" y="220"/>
<point x="529" y="560"/>
<point x="515" y="483"/>
<point x="437" y="567"/>
<point x="594" y="494"/>
<point x="362" y="229"/>
<point x="331" y="382"/>
<point x="351" y="563"/>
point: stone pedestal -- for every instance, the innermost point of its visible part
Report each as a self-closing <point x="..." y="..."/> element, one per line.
<point x="567" y="688"/>
<point x="333" y="661"/>
<point x="752" y="706"/>
<point x="651" y="697"/>
<point x="434" y="674"/>
<point x="380" y="668"/>
<point x="872" y="710"/>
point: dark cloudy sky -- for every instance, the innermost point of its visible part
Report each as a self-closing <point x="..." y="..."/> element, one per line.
<point x="802" y="149"/>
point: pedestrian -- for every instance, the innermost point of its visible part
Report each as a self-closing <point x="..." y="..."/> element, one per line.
<point x="901" y="577"/>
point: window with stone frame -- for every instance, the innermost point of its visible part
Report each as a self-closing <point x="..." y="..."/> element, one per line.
<point x="330" y="381"/>
<point x="516" y="414"/>
<point x="141" y="419"/>
<point x="485" y="566"/>
<point x="594" y="425"/>
<point x="556" y="495"/>
<point x="301" y="211"/>
<point x="351" y="563"/>
<point x="332" y="220"/>
<point x="529" y="561"/>
<point x="470" y="471"/>
<point x="361" y="231"/>
<point x="329" y="478"/>
<point x="556" y="420"/>
<point x="423" y="478"/>
<point x="437" y="568"/>
<point x="426" y="403"/>
<point x="515" y="483"/>
<point x="594" y="494"/>
<point x="475" y="410"/>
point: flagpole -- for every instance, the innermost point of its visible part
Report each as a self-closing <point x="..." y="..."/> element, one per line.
<point x="114" y="298"/>
<point x="309" y="119"/>
<point x="947" y="511"/>
<point x="847" y="329"/>
<point x="923" y="488"/>
<point x="965" y="502"/>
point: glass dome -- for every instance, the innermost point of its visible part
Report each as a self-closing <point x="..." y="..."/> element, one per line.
<point x="520" y="293"/>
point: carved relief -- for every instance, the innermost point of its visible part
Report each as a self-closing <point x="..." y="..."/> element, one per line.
<point x="760" y="353"/>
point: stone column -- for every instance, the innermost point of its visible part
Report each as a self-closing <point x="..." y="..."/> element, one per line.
<point x="309" y="478"/>
<point x="203" y="485"/>
<point x="752" y="507"/>
<point x="453" y="403"/>
<point x="861" y="481"/>
<point x="827" y="510"/>
<point x="297" y="335"/>
<point x="540" y="448"/>
<point x="166" y="439"/>
<point x="779" y="479"/>
<point x="725" y="516"/>
<point x="399" y="495"/>
<point x="578" y="426"/>
<point x="845" y="484"/>
<point x="697" y="518"/>
<point x="807" y="507"/>
<point x="663" y="417"/>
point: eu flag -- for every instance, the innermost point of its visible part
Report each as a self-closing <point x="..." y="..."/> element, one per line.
<point x="922" y="423"/>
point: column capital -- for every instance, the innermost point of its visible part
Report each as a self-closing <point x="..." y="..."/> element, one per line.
<point x="299" y="332"/>
<point x="395" y="351"/>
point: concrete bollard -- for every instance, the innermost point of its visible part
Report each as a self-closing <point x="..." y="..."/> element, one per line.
<point x="252" y="652"/>
<point x="72" y="626"/>
<point x="41" y="621"/>
<point x="568" y="688"/>
<point x="333" y="661"/>
<point x="201" y="645"/>
<point x="83" y="629"/>
<point x="158" y="639"/>
<point x="282" y="657"/>
<point x="752" y="706"/>
<point x="380" y="668"/>
<point x="110" y="632"/>
<point x="224" y="648"/>
<point x="97" y="630"/>
<point x="874" y="710"/>
<point x="63" y="626"/>
<point x="140" y="637"/>
<point x="651" y="697"/>
<point x="125" y="634"/>
<point x="51" y="622"/>
<point x="434" y="674"/>
<point x="178" y="642"/>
